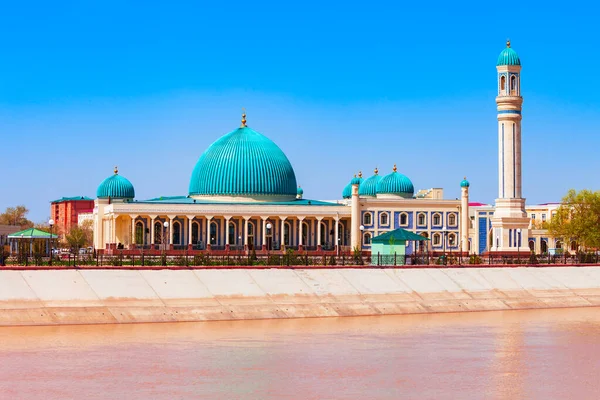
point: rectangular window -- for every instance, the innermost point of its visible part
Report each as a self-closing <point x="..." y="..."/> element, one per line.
<point x="533" y="217"/>
<point x="543" y="217"/>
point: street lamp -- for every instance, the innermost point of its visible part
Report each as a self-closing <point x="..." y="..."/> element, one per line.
<point x="165" y="231"/>
<point x="497" y="243"/>
<point x="269" y="226"/>
<point x="51" y="223"/>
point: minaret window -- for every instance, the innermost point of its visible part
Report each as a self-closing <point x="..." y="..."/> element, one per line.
<point x="513" y="85"/>
<point x="502" y="83"/>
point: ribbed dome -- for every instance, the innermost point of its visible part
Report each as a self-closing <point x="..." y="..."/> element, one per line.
<point x="396" y="184"/>
<point x="244" y="163"/>
<point x="369" y="187"/>
<point x="465" y="183"/>
<point x="508" y="56"/>
<point x="347" y="192"/>
<point x="115" y="187"/>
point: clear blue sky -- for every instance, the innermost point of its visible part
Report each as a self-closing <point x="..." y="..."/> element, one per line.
<point x="340" y="87"/>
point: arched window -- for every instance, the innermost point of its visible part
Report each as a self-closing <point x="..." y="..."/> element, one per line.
<point x="286" y="234"/>
<point x="305" y="235"/>
<point x="195" y="232"/>
<point x="452" y="239"/>
<point x="452" y="219"/>
<point x="421" y="219"/>
<point x="213" y="233"/>
<point x="367" y="219"/>
<point x="573" y="246"/>
<point x="403" y="219"/>
<point x="423" y="243"/>
<point x="367" y="239"/>
<point x="437" y="219"/>
<point x="558" y="244"/>
<point x="437" y="239"/>
<point x="383" y="219"/>
<point x="544" y="246"/>
<point x="531" y="245"/>
<point x="502" y="83"/>
<point x="231" y="231"/>
<point x="176" y="233"/>
<point x="158" y="229"/>
<point x="250" y="235"/>
<point x="139" y="233"/>
<point x="513" y="84"/>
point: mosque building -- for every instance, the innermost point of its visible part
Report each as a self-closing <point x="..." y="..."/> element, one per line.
<point x="243" y="195"/>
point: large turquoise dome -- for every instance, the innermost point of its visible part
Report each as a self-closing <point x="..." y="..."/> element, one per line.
<point x="508" y="56"/>
<point x="369" y="187"/>
<point x="115" y="187"/>
<point x="396" y="184"/>
<point x="244" y="163"/>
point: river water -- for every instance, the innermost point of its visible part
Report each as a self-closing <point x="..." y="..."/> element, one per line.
<point x="542" y="354"/>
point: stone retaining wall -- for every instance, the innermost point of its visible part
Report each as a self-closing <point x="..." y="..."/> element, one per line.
<point x="46" y="297"/>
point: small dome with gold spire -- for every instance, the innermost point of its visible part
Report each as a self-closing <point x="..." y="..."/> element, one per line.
<point x="508" y="56"/>
<point x="369" y="187"/>
<point x="115" y="187"/>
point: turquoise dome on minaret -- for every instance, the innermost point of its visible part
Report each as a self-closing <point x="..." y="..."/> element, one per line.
<point x="396" y="184"/>
<point x="508" y="56"/>
<point x="369" y="186"/>
<point x="244" y="163"/>
<point x="115" y="187"/>
<point x="356" y="180"/>
<point x="465" y="183"/>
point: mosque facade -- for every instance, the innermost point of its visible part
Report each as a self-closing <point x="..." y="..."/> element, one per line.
<point x="243" y="195"/>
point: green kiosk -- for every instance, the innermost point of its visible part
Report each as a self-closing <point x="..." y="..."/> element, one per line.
<point x="390" y="248"/>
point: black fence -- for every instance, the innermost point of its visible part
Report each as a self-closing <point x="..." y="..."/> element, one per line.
<point x="295" y="259"/>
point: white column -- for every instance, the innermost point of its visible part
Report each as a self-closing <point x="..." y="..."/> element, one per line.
<point x="282" y="232"/>
<point x="246" y="230"/>
<point x="227" y="230"/>
<point x="464" y="219"/>
<point x="133" y="217"/>
<point x="355" y="221"/>
<point x="152" y="221"/>
<point x="319" y="219"/>
<point x="300" y="239"/>
<point x="190" y="220"/>
<point x="170" y="219"/>
<point x="264" y="231"/>
<point x="207" y="233"/>
<point x="337" y="231"/>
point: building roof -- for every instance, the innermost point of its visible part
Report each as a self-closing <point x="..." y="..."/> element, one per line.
<point x="508" y="56"/>
<point x="243" y="163"/>
<point x="76" y="198"/>
<point x="369" y="186"/>
<point x="397" y="235"/>
<point x="115" y="187"/>
<point x="32" y="233"/>
<point x="190" y="200"/>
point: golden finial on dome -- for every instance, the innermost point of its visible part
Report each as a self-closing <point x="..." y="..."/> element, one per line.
<point x="355" y="175"/>
<point x="243" y="118"/>
<point x="376" y="171"/>
<point x="507" y="42"/>
<point x="465" y="178"/>
<point x="395" y="169"/>
<point x="116" y="170"/>
<point x="360" y="174"/>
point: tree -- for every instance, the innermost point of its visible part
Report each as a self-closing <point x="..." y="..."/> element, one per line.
<point x="578" y="218"/>
<point x="79" y="236"/>
<point x="16" y="216"/>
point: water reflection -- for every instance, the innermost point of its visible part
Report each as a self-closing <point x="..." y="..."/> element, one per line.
<point x="496" y="355"/>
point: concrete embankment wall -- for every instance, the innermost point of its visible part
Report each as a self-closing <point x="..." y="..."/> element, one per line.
<point x="125" y="296"/>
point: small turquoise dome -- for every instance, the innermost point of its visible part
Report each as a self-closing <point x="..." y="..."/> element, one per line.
<point x="508" y="56"/>
<point x="369" y="187"/>
<point x="115" y="187"/>
<point x="465" y="183"/>
<point x="357" y="180"/>
<point x="396" y="184"/>
<point x="299" y="192"/>
<point x="244" y="163"/>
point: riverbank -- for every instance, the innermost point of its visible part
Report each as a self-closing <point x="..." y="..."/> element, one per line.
<point x="54" y="297"/>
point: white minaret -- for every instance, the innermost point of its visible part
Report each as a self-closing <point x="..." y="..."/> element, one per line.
<point x="355" y="234"/>
<point x="509" y="223"/>
<point x="464" y="216"/>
